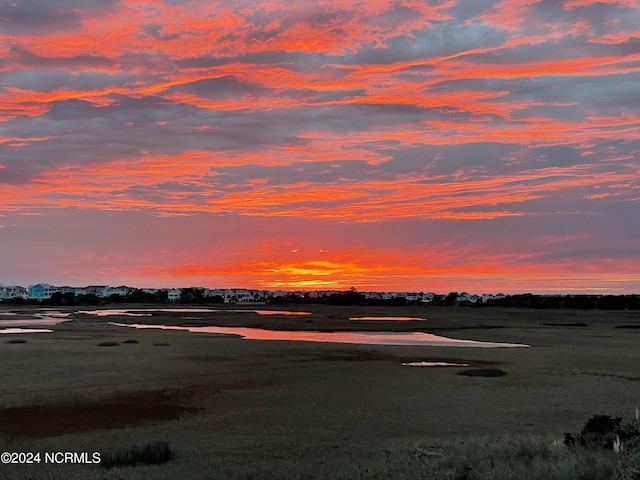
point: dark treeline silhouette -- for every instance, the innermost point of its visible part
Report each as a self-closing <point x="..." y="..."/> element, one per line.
<point x="526" y="300"/>
<point x="352" y="297"/>
<point x="59" y="299"/>
<point x="580" y="302"/>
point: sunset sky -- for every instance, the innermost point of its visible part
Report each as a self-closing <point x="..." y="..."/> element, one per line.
<point x="469" y="145"/>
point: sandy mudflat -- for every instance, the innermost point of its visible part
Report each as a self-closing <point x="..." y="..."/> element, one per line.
<point x="235" y="408"/>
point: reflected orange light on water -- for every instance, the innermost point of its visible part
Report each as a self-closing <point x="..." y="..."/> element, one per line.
<point x="365" y="338"/>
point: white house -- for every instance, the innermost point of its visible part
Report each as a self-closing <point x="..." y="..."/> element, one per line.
<point x="97" y="290"/>
<point x="490" y="296"/>
<point x="7" y="292"/>
<point x="428" y="297"/>
<point x="465" y="297"/>
<point x="239" y="295"/>
<point x="216" y="292"/>
<point x="175" y="294"/>
<point x="121" y="290"/>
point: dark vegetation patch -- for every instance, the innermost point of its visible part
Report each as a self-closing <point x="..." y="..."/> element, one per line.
<point x="628" y="326"/>
<point x="605" y="432"/>
<point x="577" y="324"/>
<point x="206" y="358"/>
<point x="482" y="372"/>
<point x="370" y="356"/>
<point x="470" y="327"/>
<point x="160" y="345"/>
<point x="117" y="411"/>
<point x="17" y="340"/>
<point x="130" y="340"/>
<point x="108" y="344"/>
<point x="150" y="454"/>
<point x="604" y="374"/>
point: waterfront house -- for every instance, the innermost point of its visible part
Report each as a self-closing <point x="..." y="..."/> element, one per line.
<point x="7" y="292"/>
<point x="41" y="291"/>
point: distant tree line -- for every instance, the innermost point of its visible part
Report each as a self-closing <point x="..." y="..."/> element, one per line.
<point x="59" y="299"/>
<point x="580" y="302"/>
<point x="351" y="297"/>
<point x="526" y="300"/>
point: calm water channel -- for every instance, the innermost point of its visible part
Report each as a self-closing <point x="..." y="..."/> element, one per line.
<point x="50" y="317"/>
<point x="365" y="338"/>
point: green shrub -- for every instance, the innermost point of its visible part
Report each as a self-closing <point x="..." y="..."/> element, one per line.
<point x="603" y="431"/>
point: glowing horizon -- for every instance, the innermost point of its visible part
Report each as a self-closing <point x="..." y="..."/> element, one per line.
<point x="467" y="145"/>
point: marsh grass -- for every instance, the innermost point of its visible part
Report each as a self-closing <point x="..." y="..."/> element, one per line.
<point x="487" y="458"/>
<point x="283" y="410"/>
<point x="510" y="457"/>
<point x="108" y="344"/>
<point x="628" y="467"/>
<point x="160" y="345"/>
<point x="17" y="340"/>
<point x="482" y="372"/>
<point x="130" y="340"/>
<point x="505" y="457"/>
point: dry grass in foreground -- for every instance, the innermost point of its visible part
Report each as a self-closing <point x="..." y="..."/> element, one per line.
<point x="507" y="458"/>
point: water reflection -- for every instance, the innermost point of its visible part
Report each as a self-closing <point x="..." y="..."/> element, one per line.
<point x="140" y="312"/>
<point x="25" y="330"/>
<point x="270" y="312"/>
<point x="366" y="338"/>
<point x="127" y="313"/>
<point x="48" y="317"/>
<point x="435" y="364"/>
<point x="395" y="319"/>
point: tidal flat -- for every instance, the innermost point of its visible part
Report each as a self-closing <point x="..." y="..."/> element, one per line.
<point x="251" y="409"/>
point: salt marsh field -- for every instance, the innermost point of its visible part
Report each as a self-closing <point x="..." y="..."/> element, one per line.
<point x="285" y="407"/>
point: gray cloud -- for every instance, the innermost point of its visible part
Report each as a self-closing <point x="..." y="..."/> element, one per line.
<point x="155" y="30"/>
<point x="39" y="17"/>
<point x="597" y="14"/>
<point x="218" y="88"/>
<point x="25" y="58"/>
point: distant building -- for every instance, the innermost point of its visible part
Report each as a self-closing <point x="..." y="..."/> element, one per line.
<point x="465" y="297"/>
<point x="41" y="291"/>
<point x="428" y="297"/>
<point x="97" y="290"/>
<point x="239" y="295"/>
<point x="7" y="292"/>
<point x="121" y="290"/>
<point x="175" y="294"/>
